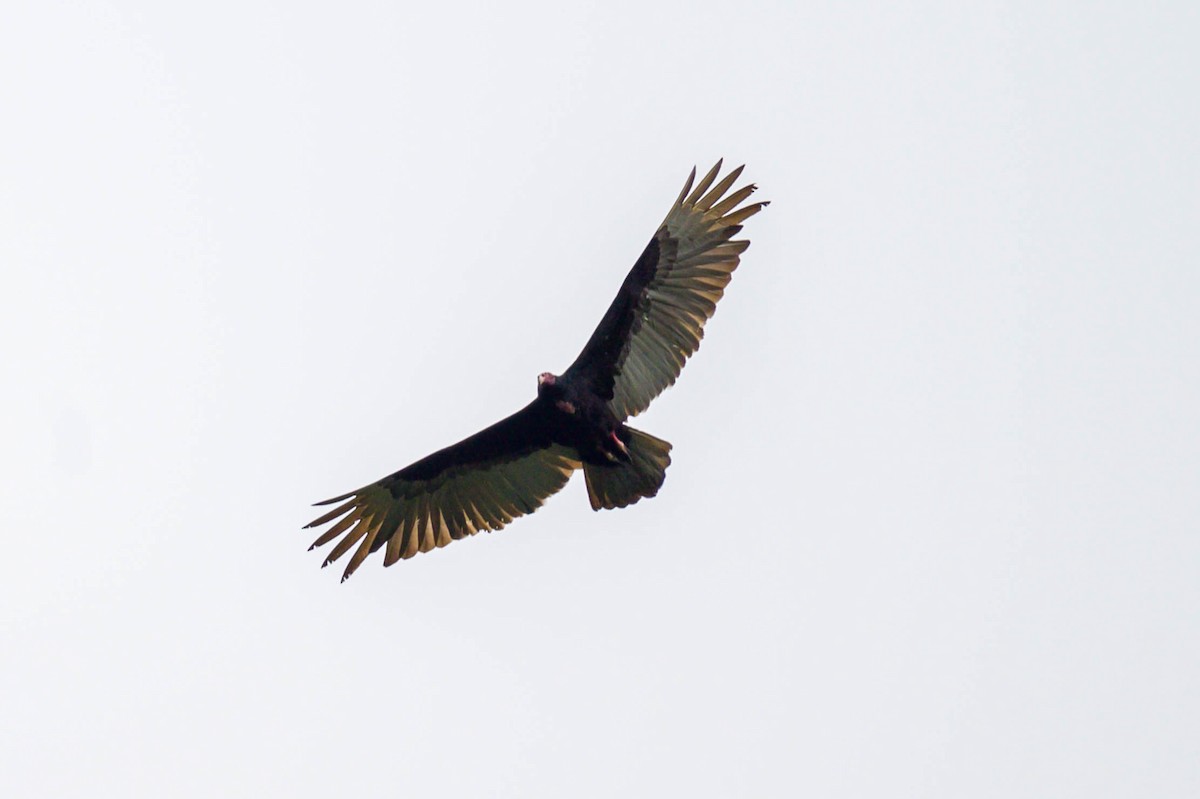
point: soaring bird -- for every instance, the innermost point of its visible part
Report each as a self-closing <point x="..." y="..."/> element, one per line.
<point x="578" y="418"/>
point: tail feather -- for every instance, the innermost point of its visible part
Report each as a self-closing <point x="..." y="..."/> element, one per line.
<point x="616" y="485"/>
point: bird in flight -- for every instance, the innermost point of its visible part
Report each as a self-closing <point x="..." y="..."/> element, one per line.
<point x="578" y="418"/>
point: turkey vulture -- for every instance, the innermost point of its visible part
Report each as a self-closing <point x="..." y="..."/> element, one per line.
<point x="578" y="418"/>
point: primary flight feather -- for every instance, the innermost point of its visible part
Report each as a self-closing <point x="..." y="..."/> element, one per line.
<point x="578" y="418"/>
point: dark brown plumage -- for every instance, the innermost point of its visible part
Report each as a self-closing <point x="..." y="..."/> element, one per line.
<point x="577" y="419"/>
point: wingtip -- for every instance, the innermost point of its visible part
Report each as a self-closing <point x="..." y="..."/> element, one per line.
<point x="687" y="186"/>
<point x="704" y="184"/>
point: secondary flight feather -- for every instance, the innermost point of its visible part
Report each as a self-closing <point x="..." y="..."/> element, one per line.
<point x="577" y="420"/>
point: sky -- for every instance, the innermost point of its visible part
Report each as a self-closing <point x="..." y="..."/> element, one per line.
<point x="931" y="525"/>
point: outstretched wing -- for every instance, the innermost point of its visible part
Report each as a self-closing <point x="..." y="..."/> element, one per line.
<point x="481" y="483"/>
<point x="657" y="320"/>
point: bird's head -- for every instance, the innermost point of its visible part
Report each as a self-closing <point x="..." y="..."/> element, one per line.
<point x="548" y="384"/>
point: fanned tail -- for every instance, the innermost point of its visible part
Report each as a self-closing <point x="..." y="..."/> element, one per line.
<point x="616" y="485"/>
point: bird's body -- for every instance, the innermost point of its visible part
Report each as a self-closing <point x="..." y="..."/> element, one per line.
<point x="577" y="419"/>
<point x="580" y="419"/>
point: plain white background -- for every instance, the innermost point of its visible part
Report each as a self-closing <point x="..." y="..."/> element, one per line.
<point x="931" y="525"/>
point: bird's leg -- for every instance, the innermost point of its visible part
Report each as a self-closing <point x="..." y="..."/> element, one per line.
<point x="620" y="444"/>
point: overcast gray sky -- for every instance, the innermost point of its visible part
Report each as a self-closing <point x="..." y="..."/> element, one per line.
<point x="931" y="524"/>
